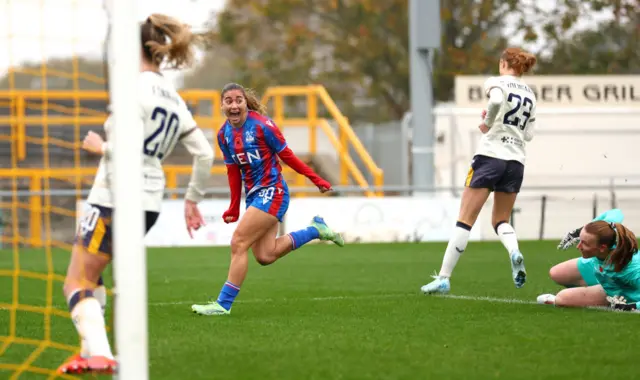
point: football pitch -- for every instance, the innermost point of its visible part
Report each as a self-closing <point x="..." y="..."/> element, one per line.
<point x="353" y="313"/>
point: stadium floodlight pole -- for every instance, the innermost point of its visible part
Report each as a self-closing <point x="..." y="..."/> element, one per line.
<point x="424" y="38"/>
<point x="129" y="265"/>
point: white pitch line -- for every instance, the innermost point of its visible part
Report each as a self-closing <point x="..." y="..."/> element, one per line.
<point x="363" y="297"/>
<point x="516" y="301"/>
<point x="378" y="296"/>
<point x="267" y="300"/>
<point x="488" y="299"/>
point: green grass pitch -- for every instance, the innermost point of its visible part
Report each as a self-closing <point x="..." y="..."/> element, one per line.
<point x="353" y="313"/>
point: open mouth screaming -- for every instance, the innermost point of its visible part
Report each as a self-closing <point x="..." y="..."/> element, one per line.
<point x="234" y="116"/>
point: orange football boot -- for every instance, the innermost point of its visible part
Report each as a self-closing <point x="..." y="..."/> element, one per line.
<point x="101" y="365"/>
<point x="76" y="364"/>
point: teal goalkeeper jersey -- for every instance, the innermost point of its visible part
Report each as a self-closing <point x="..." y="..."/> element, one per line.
<point x="611" y="216"/>
<point x="626" y="282"/>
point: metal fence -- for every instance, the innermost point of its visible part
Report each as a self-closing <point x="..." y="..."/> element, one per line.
<point x="540" y="213"/>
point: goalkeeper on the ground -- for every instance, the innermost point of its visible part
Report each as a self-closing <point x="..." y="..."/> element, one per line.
<point x="607" y="274"/>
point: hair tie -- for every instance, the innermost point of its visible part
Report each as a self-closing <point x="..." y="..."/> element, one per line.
<point x="615" y="230"/>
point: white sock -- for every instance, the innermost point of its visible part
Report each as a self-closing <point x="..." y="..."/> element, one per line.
<point x="100" y="293"/>
<point x="89" y="321"/>
<point x="457" y="245"/>
<point x="508" y="237"/>
<point x="84" y="347"/>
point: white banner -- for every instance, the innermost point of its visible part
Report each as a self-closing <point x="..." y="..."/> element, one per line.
<point x="171" y="231"/>
<point x="377" y="220"/>
<point x="560" y="90"/>
<point x="359" y="219"/>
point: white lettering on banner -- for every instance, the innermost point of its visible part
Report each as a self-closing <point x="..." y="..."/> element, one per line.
<point x="561" y="90"/>
<point x="171" y="231"/>
<point x="368" y="220"/>
<point x="377" y="220"/>
<point x="359" y="219"/>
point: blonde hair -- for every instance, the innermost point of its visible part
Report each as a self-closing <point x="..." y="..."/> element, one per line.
<point x="519" y="60"/>
<point x="166" y="38"/>
<point x="253" y="102"/>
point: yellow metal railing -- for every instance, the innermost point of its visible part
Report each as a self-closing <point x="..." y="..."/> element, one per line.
<point x="20" y="101"/>
<point x="346" y="136"/>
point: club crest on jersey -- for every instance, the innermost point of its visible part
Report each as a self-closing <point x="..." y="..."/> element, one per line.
<point x="248" y="137"/>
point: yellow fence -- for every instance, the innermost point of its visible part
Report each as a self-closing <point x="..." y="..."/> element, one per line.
<point x="53" y="109"/>
<point x="342" y="140"/>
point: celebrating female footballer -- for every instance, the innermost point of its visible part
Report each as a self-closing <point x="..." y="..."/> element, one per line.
<point x="608" y="273"/>
<point x="251" y="144"/>
<point x="498" y="165"/>
<point x="165" y="119"/>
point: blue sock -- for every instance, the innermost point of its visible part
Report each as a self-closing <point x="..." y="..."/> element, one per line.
<point x="228" y="294"/>
<point x="302" y="237"/>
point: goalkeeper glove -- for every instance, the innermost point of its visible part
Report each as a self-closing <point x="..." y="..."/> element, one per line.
<point x="620" y="303"/>
<point x="571" y="238"/>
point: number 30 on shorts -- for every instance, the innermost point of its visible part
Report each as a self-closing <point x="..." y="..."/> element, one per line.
<point x="267" y="194"/>
<point x="89" y="221"/>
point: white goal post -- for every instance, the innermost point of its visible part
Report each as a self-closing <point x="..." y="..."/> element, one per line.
<point x="129" y="265"/>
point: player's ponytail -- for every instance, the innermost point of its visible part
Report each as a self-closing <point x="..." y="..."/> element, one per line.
<point x="626" y="247"/>
<point x="519" y="60"/>
<point x="618" y="238"/>
<point x="253" y="102"/>
<point x="166" y="38"/>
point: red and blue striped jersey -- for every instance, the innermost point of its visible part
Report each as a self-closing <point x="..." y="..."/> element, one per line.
<point x="254" y="148"/>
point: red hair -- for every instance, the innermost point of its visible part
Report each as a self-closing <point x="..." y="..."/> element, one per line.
<point x="519" y="60"/>
<point x="618" y="238"/>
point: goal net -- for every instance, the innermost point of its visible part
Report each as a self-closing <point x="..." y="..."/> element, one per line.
<point x="53" y="66"/>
